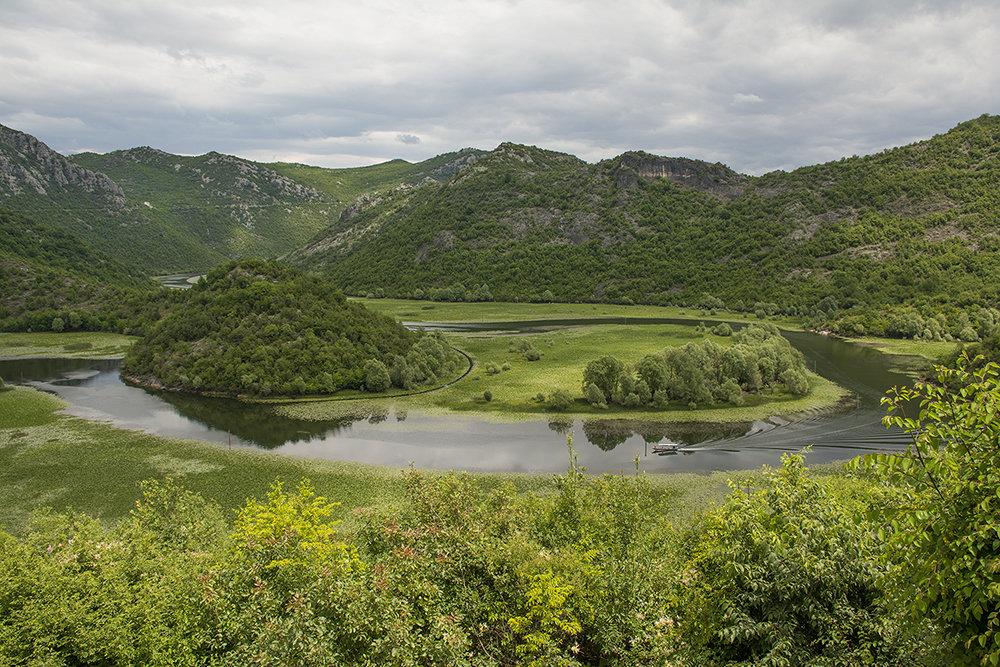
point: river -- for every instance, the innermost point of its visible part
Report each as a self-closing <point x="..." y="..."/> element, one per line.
<point x="397" y="437"/>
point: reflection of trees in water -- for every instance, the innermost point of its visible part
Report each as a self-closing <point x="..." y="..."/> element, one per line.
<point x="561" y="425"/>
<point x="609" y="433"/>
<point x="257" y="423"/>
<point x="55" y="370"/>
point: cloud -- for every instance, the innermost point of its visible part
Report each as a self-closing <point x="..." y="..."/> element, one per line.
<point x="763" y="85"/>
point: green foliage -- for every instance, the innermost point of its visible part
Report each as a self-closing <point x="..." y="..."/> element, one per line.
<point x="288" y="537"/>
<point x="262" y="328"/>
<point x="560" y="400"/>
<point x="701" y="372"/>
<point x="783" y="575"/>
<point x="911" y="225"/>
<point x="376" y="376"/>
<point x="941" y="508"/>
<point x="461" y="571"/>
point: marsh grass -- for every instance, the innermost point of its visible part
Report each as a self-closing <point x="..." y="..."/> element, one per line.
<point x="82" y="344"/>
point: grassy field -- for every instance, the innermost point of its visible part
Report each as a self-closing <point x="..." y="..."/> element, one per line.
<point x="82" y="344"/>
<point x="909" y="355"/>
<point x="491" y="311"/>
<point x="565" y="353"/>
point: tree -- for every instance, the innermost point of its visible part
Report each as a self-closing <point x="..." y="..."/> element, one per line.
<point x="376" y="376"/>
<point x="942" y="519"/>
<point x="784" y="575"/>
<point x="605" y="373"/>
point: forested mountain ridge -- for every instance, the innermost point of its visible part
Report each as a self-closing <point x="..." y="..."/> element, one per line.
<point x="230" y="206"/>
<point x="165" y="212"/>
<point x="916" y="224"/>
<point x="48" y="187"/>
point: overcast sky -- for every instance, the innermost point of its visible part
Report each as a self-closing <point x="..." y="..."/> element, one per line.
<point x="756" y="85"/>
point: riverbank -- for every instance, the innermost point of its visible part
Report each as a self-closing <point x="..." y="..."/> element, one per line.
<point x="911" y="357"/>
<point x="50" y="459"/>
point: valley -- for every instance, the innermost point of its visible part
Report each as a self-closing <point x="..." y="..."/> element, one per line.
<point x="534" y="321"/>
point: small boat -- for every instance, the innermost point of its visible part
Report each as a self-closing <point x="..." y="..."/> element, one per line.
<point x="666" y="447"/>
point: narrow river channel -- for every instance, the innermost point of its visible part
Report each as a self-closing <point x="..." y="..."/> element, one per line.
<point x="396" y="438"/>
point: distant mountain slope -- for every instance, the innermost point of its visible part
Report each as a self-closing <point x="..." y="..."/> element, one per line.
<point x="49" y="188"/>
<point x="45" y="272"/>
<point x="46" y="247"/>
<point x="346" y="185"/>
<point x="229" y="206"/>
<point x="917" y="223"/>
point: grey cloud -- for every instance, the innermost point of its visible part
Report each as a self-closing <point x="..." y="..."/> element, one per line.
<point x="755" y="85"/>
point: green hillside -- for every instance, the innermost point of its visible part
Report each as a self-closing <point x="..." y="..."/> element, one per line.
<point x="232" y="207"/>
<point x="47" y="187"/>
<point x="346" y="185"/>
<point x="913" y="225"/>
<point x="262" y="328"/>
<point x="52" y="280"/>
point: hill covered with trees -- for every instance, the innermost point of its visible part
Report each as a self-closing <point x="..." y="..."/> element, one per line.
<point x="262" y="328"/>
<point x="914" y="225"/>
<point x="52" y="281"/>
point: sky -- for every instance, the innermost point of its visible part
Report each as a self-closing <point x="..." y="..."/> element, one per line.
<point x="758" y="86"/>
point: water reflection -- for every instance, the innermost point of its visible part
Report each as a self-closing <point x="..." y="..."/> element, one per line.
<point x="391" y="436"/>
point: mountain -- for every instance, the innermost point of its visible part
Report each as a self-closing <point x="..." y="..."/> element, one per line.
<point x="49" y="188"/>
<point x="229" y="206"/>
<point x="915" y="224"/>
<point x="167" y="213"/>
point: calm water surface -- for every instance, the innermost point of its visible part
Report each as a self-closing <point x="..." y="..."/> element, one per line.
<point x="95" y="391"/>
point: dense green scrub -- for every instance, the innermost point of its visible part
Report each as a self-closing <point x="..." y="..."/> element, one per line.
<point x="258" y="328"/>
<point x="461" y="574"/>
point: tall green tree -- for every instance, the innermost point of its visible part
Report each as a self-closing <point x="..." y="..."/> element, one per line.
<point x="942" y="521"/>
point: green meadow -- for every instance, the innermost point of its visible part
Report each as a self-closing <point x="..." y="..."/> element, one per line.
<point x="565" y="351"/>
<point x="409" y="310"/>
<point x="82" y="344"/>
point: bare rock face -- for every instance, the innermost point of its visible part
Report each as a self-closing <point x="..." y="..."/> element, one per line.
<point x="714" y="179"/>
<point x="28" y="165"/>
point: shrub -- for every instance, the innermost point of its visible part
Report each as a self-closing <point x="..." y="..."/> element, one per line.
<point x="594" y="396"/>
<point x="784" y="575"/>
<point x="560" y="399"/>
